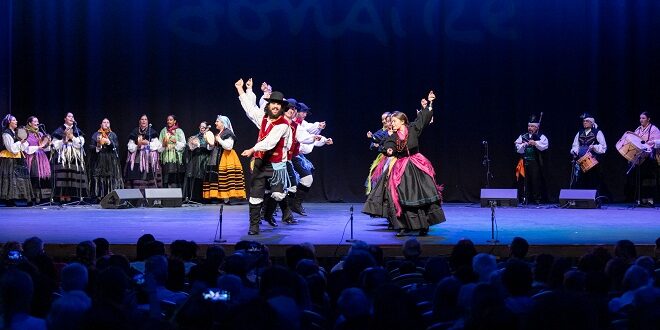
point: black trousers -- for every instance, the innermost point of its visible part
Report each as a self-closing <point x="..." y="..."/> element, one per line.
<point x="533" y="183"/>
<point x="259" y="182"/>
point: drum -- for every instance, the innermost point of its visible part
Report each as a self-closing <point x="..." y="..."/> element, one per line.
<point x="587" y="162"/>
<point x="630" y="146"/>
<point x="21" y="133"/>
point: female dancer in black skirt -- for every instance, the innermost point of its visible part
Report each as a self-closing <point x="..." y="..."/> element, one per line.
<point x="409" y="195"/>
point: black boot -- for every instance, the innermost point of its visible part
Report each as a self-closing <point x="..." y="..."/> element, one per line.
<point x="255" y="212"/>
<point x="297" y="206"/>
<point x="269" y="211"/>
<point x="287" y="216"/>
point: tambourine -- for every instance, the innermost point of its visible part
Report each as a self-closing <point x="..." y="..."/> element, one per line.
<point x="193" y="142"/>
<point x="21" y="133"/>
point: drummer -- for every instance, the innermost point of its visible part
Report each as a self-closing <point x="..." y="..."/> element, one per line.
<point x="592" y="141"/>
<point x="650" y="134"/>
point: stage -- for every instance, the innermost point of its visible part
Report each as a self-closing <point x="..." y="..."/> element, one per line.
<point x="547" y="228"/>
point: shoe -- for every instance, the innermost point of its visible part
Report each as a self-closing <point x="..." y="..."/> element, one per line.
<point x="401" y="233"/>
<point x="423" y="232"/>
<point x="252" y="233"/>
<point x="287" y="215"/>
<point x="269" y="211"/>
<point x="271" y="221"/>
<point x="255" y="211"/>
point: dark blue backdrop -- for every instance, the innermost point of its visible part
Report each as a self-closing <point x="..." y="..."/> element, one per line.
<point x="491" y="63"/>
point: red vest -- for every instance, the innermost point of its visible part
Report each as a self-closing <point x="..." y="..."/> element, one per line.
<point x="274" y="155"/>
<point x="295" y="144"/>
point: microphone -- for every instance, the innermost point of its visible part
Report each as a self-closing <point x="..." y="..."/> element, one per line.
<point x="484" y="142"/>
<point x="149" y="124"/>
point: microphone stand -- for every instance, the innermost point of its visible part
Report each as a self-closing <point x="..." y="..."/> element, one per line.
<point x="51" y="201"/>
<point x="218" y="229"/>
<point x="351" y="240"/>
<point x="486" y="163"/>
<point x="81" y="200"/>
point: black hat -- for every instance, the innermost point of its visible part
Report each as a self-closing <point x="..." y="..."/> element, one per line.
<point x="586" y="115"/>
<point x="277" y="97"/>
<point x="302" y="107"/>
<point x="293" y="103"/>
<point x="534" y="119"/>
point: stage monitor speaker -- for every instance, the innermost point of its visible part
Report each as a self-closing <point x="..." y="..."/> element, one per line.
<point x="164" y="197"/>
<point x="501" y="197"/>
<point x="122" y="198"/>
<point x="578" y="198"/>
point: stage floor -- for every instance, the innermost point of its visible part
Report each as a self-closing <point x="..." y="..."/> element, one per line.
<point x="327" y="224"/>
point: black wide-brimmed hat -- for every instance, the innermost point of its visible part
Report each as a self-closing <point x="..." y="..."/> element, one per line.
<point x="277" y="97"/>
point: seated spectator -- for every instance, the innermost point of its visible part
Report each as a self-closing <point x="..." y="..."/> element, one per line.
<point x="156" y="266"/>
<point x="74" y="277"/>
<point x="16" y="291"/>
<point x="517" y="279"/>
<point x="354" y="309"/>
<point x="635" y="278"/>
<point x="626" y="249"/>
<point x="68" y="310"/>
<point x="208" y="270"/>
<point x="102" y="247"/>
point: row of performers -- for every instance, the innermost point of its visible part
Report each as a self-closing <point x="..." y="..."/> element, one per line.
<point x="640" y="147"/>
<point x="154" y="159"/>
<point x="401" y="185"/>
<point x="281" y="175"/>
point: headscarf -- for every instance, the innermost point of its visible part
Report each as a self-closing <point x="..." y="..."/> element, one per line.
<point x="226" y="122"/>
<point x="592" y="120"/>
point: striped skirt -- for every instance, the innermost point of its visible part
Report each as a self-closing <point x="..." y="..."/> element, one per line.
<point x="227" y="181"/>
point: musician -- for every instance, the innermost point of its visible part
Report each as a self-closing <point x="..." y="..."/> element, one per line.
<point x="198" y="152"/>
<point x="171" y="153"/>
<point x="270" y="152"/>
<point x="37" y="160"/>
<point x="649" y="167"/>
<point x="143" y="161"/>
<point x="589" y="140"/>
<point x="14" y="176"/>
<point x="225" y="178"/>
<point x="68" y="150"/>
<point x="104" y="167"/>
<point x="532" y="146"/>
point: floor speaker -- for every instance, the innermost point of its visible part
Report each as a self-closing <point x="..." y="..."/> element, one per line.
<point x="164" y="197"/>
<point x="501" y="197"/>
<point x="122" y="198"/>
<point x="578" y="198"/>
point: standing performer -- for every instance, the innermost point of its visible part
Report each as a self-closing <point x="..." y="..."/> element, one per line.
<point x="69" y="152"/>
<point x="171" y="153"/>
<point x="411" y="188"/>
<point x="104" y="161"/>
<point x="301" y="164"/>
<point x="37" y="160"/>
<point x="197" y="159"/>
<point x="379" y="164"/>
<point x="14" y="176"/>
<point x="225" y="173"/>
<point x="589" y="142"/>
<point x="142" y="164"/>
<point x="648" y="168"/>
<point x="532" y="146"/>
<point x="270" y="153"/>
